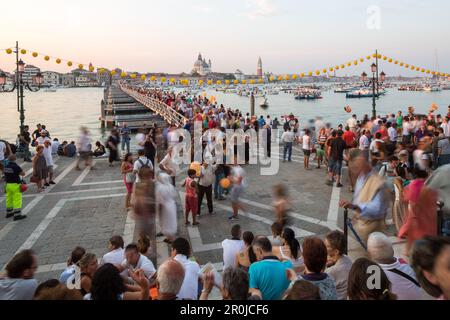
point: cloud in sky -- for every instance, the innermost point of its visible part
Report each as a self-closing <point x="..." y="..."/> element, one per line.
<point x="260" y="8"/>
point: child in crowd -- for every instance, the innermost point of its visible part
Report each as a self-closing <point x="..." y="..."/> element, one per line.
<point x="190" y="197"/>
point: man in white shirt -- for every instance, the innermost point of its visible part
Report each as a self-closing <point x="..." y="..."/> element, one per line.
<point x="142" y="161"/>
<point x="49" y="160"/>
<point x="84" y="148"/>
<point x="446" y="126"/>
<point x="134" y="260"/>
<point x="373" y="145"/>
<point x="205" y="183"/>
<point x="116" y="253"/>
<point x="392" y="133"/>
<point x="352" y="123"/>
<point x="406" y="130"/>
<point x="140" y="140"/>
<point x="231" y="247"/>
<point x="364" y="141"/>
<point x="402" y="277"/>
<point x="42" y="138"/>
<point x="181" y="251"/>
<point x="55" y="146"/>
<point x="287" y="138"/>
<point x="168" y="164"/>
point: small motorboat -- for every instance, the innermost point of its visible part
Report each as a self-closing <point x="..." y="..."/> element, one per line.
<point x="264" y="103"/>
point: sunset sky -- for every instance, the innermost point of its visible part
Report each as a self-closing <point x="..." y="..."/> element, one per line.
<point x="167" y="35"/>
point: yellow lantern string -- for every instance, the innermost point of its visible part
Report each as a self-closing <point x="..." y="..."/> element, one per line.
<point x="280" y="78"/>
<point x="317" y="72"/>
<point x="123" y="74"/>
<point x="286" y="78"/>
<point x="143" y="77"/>
<point x="252" y="81"/>
<point x="209" y="82"/>
<point x="152" y="78"/>
<point x="46" y="58"/>
<point x="23" y="51"/>
<point x="355" y="62"/>
<point x="342" y="66"/>
<point x="200" y="82"/>
<point x="69" y="63"/>
<point x="80" y="66"/>
<point x="244" y="81"/>
<point x="384" y="58"/>
<point x="302" y="75"/>
<point x="361" y="60"/>
<point x="349" y="64"/>
<point x="227" y="82"/>
<point x="294" y="77"/>
<point x="261" y="80"/>
<point x="379" y="56"/>
<point x="396" y="62"/>
<point x="218" y="82"/>
<point x="236" y="81"/>
<point x="8" y="51"/>
<point x="172" y="80"/>
<point x="34" y="54"/>
<point x="163" y="79"/>
<point x="91" y="69"/>
<point x="331" y="69"/>
<point x="58" y="61"/>
<point x="113" y="72"/>
<point x="374" y="55"/>
<point x="401" y="64"/>
<point x="368" y="57"/>
<point x="324" y="70"/>
<point x="133" y="76"/>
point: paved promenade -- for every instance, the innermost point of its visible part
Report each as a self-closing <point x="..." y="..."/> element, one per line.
<point x="87" y="207"/>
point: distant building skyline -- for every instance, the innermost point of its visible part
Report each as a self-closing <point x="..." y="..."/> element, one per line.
<point x="291" y="36"/>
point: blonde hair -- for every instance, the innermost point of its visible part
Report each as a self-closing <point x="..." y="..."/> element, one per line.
<point x="86" y="260"/>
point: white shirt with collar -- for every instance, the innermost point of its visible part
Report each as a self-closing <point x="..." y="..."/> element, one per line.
<point x="143" y="263"/>
<point x="115" y="256"/>
<point x="189" y="288"/>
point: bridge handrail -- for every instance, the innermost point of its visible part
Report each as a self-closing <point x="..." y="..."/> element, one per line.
<point x="160" y="108"/>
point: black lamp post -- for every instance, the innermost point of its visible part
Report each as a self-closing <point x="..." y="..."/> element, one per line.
<point x="20" y="84"/>
<point x="375" y="83"/>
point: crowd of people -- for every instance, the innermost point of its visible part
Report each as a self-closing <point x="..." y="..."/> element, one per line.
<point x="389" y="159"/>
<point x="254" y="269"/>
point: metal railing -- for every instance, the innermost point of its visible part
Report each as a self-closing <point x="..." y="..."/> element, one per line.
<point x="165" y="111"/>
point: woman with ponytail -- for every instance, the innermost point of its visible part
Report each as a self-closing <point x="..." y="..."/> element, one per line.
<point x="290" y="250"/>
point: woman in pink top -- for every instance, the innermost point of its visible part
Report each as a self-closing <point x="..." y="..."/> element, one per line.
<point x="421" y="215"/>
<point x="190" y="197"/>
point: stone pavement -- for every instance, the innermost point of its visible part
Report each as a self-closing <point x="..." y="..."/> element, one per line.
<point x="87" y="207"/>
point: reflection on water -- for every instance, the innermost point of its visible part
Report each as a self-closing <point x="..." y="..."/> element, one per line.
<point x="66" y="110"/>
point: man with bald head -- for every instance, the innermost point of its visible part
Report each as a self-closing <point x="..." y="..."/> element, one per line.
<point x="170" y="277"/>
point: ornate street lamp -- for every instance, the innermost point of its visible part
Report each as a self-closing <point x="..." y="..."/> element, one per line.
<point x="20" y="85"/>
<point x="374" y="82"/>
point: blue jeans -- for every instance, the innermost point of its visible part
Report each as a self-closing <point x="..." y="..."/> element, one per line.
<point x="218" y="190"/>
<point x="288" y="150"/>
<point x="127" y="143"/>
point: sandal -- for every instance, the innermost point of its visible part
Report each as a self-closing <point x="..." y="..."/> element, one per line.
<point x="187" y="223"/>
<point x="195" y="223"/>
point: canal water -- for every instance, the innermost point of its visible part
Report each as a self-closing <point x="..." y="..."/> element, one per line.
<point x="66" y="110"/>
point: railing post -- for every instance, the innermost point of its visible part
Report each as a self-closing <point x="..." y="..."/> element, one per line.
<point x="346" y="230"/>
<point x="439" y="217"/>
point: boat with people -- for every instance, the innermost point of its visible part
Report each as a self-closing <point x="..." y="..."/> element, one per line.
<point x="307" y="93"/>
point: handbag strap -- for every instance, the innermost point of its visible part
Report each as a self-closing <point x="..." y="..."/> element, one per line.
<point x="404" y="275"/>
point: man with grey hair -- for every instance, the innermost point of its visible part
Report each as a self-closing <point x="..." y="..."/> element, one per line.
<point x="370" y="200"/>
<point x="170" y="277"/>
<point x="400" y="274"/>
